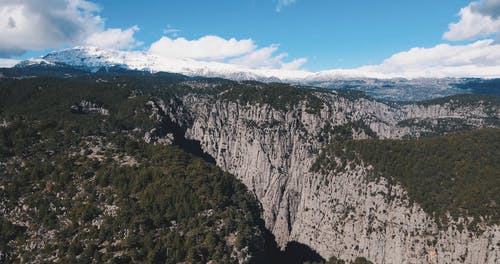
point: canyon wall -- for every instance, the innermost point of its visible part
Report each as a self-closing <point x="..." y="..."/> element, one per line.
<point x="343" y="214"/>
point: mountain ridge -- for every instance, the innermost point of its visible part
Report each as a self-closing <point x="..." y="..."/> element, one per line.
<point x="391" y="88"/>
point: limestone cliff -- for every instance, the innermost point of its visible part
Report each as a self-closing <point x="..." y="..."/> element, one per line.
<point x="337" y="214"/>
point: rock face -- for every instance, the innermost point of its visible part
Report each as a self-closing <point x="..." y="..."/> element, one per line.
<point x="344" y="214"/>
<point x="85" y="107"/>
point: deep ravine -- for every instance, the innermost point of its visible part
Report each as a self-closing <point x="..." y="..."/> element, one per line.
<point x="345" y="215"/>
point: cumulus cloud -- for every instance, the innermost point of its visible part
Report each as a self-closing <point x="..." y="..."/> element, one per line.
<point x="214" y="48"/>
<point x="283" y="3"/>
<point x="7" y="63"/>
<point x="34" y="25"/>
<point x="478" y="19"/>
<point x="114" y="38"/>
<point x="205" y="48"/>
<point x="264" y="58"/>
<point x="478" y="59"/>
<point x="487" y="8"/>
<point x="31" y="24"/>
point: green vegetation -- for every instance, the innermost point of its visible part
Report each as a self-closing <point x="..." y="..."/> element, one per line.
<point x="482" y="86"/>
<point x="84" y="187"/>
<point x="277" y="95"/>
<point x="352" y="94"/>
<point x="345" y="132"/>
<point x="8" y="232"/>
<point x="441" y="126"/>
<point x="437" y="127"/>
<point x="49" y="99"/>
<point x="463" y="100"/>
<point x="335" y="260"/>
<point x="90" y="190"/>
<point x="361" y="260"/>
<point x="457" y="174"/>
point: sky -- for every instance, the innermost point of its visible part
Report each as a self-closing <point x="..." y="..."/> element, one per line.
<point x="454" y="37"/>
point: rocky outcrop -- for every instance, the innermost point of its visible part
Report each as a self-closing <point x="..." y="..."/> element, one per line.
<point x="4" y="123"/>
<point x="159" y="134"/>
<point x="337" y="214"/>
<point x="345" y="215"/>
<point x="87" y="107"/>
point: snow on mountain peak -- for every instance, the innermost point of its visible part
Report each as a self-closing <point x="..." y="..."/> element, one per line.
<point x="93" y="58"/>
<point x="373" y="83"/>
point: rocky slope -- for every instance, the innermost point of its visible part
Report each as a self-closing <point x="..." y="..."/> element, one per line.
<point x="337" y="214"/>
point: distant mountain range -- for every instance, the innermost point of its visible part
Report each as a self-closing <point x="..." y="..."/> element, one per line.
<point x="81" y="60"/>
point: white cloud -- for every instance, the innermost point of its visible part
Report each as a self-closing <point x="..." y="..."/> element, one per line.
<point x="478" y="59"/>
<point x="283" y="3"/>
<point x="214" y="48"/>
<point x="294" y="64"/>
<point x="35" y="25"/>
<point x="173" y="32"/>
<point x="264" y="59"/>
<point x="205" y="48"/>
<point x="7" y="63"/>
<point x="478" y="19"/>
<point x="488" y="8"/>
<point x="114" y="38"/>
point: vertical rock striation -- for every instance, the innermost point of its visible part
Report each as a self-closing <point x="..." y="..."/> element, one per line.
<point x="337" y="214"/>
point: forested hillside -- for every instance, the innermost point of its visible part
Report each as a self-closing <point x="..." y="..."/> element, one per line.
<point x="78" y="184"/>
<point x="134" y="167"/>
<point x="457" y="174"/>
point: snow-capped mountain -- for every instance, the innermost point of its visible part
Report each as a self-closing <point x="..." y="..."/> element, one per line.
<point x="374" y="84"/>
<point x="93" y="59"/>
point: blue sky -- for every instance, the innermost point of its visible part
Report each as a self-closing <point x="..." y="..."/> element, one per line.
<point x="330" y="33"/>
<point x="453" y="37"/>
